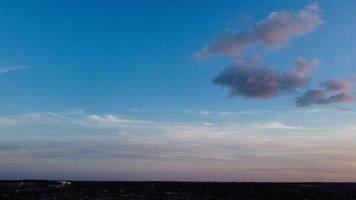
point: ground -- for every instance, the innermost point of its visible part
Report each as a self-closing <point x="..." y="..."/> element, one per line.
<point x="177" y="191"/>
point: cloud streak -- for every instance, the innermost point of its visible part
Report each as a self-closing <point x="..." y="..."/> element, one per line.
<point x="10" y="69"/>
<point x="273" y="32"/>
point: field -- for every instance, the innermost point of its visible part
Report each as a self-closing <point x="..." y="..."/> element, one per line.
<point x="176" y="190"/>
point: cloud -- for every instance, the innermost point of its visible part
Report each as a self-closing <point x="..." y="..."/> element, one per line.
<point x="320" y="97"/>
<point x="277" y="125"/>
<point x="273" y="32"/>
<point x="344" y="109"/>
<point x="250" y="79"/>
<point x="9" y="69"/>
<point x="32" y="118"/>
<point x="341" y="91"/>
<point x="77" y="146"/>
<point x="337" y="85"/>
<point x="311" y="97"/>
<point x="110" y="120"/>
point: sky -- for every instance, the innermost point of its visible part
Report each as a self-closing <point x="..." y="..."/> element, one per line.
<point x="178" y="90"/>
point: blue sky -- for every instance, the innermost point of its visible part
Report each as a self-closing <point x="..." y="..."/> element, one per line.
<point x="113" y="89"/>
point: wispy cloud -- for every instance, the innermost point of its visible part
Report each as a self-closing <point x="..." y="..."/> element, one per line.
<point x="277" y="125"/>
<point x="341" y="109"/>
<point x="79" y="144"/>
<point x="9" y="69"/>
